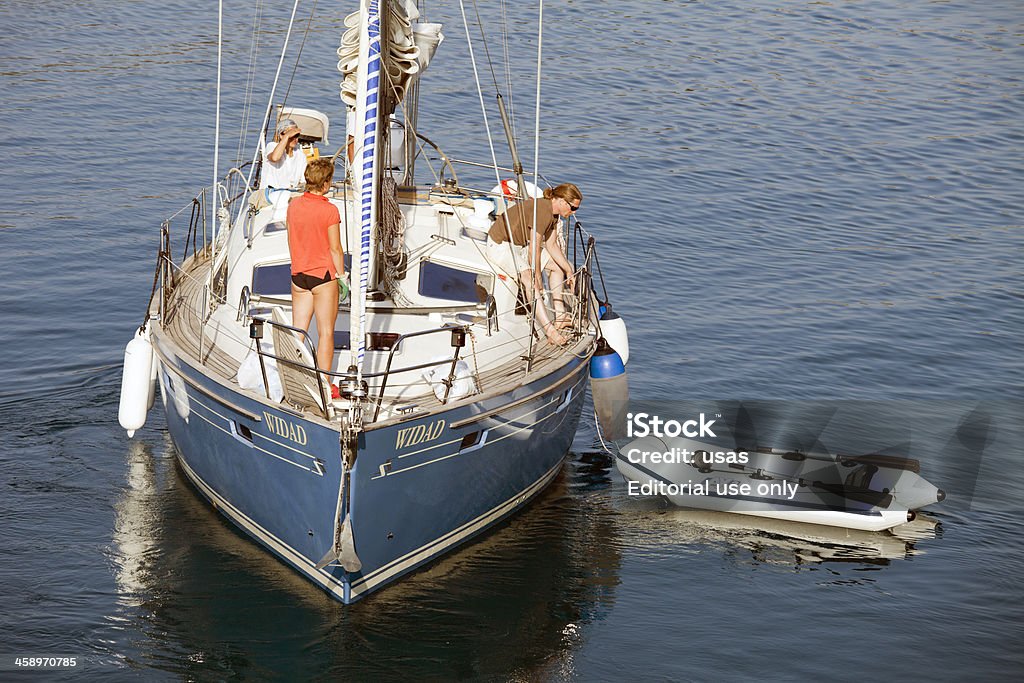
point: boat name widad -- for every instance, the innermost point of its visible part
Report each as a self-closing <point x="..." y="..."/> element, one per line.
<point x="413" y="436"/>
<point x="286" y="428"/>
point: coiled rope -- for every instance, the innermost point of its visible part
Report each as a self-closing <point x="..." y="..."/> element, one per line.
<point x="391" y="243"/>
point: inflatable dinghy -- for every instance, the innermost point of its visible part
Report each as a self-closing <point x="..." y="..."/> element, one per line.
<point x="870" y="492"/>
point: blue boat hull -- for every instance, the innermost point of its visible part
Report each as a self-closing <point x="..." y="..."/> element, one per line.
<point x="418" y="487"/>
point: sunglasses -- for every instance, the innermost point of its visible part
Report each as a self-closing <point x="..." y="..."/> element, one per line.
<point x="573" y="208"/>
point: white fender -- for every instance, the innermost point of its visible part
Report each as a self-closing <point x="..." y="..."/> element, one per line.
<point x="613" y="329"/>
<point x="136" y="383"/>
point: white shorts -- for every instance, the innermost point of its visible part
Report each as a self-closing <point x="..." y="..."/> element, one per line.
<point x="506" y="257"/>
<point x="501" y="256"/>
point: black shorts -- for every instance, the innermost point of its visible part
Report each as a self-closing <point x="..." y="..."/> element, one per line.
<point x="305" y="281"/>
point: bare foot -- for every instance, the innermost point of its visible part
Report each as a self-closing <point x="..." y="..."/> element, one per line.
<point x="563" y="320"/>
<point x="554" y="336"/>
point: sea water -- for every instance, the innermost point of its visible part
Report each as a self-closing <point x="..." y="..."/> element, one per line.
<point x="795" y="202"/>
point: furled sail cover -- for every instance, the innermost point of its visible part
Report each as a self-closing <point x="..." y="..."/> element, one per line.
<point x="410" y="46"/>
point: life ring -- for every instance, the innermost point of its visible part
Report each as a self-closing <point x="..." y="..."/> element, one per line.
<point x="506" y="194"/>
<point x="509" y="189"/>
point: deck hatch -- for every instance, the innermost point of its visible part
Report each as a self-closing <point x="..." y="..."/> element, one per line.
<point x="439" y="281"/>
<point x="275" y="280"/>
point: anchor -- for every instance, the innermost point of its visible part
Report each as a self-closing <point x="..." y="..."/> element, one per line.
<point x="343" y="551"/>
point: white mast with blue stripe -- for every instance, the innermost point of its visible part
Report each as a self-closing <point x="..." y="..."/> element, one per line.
<point x="367" y="168"/>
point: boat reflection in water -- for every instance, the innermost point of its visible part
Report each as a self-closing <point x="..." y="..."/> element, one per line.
<point x="515" y="604"/>
<point x="135" y="527"/>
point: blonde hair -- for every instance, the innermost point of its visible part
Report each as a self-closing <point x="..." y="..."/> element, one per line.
<point x="319" y="173"/>
<point x="566" y="191"/>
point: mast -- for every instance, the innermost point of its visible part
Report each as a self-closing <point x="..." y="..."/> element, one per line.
<point x="214" y="195"/>
<point x="367" y="161"/>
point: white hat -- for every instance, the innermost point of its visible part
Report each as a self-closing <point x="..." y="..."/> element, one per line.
<point x="285" y="124"/>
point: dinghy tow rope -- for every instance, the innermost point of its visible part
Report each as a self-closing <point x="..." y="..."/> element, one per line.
<point x="600" y="436"/>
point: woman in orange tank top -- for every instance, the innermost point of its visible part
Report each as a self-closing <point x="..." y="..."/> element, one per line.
<point x="314" y="243"/>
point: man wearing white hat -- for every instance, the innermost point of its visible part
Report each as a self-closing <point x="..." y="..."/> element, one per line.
<point x="284" y="164"/>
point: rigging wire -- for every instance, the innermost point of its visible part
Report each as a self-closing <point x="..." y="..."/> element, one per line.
<point x="216" y="135"/>
<point x="480" y="92"/>
<point x="505" y="59"/>
<point x="273" y="90"/>
<point x="298" y="56"/>
<point x="250" y="81"/>
<point x="487" y="50"/>
<point x="422" y="151"/>
<point x="459" y="217"/>
<point x="507" y="64"/>
<point x="536" y="122"/>
<point x="534" y="247"/>
<point x="487" y="127"/>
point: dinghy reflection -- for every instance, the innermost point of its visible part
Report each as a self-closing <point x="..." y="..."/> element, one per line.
<point x="778" y="542"/>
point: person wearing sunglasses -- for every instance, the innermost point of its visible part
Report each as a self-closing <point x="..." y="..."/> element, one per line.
<point x="284" y="164"/>
<point x="509" y="248"/>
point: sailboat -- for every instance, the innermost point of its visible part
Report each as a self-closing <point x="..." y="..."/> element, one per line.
<point x="454" y="410"/>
